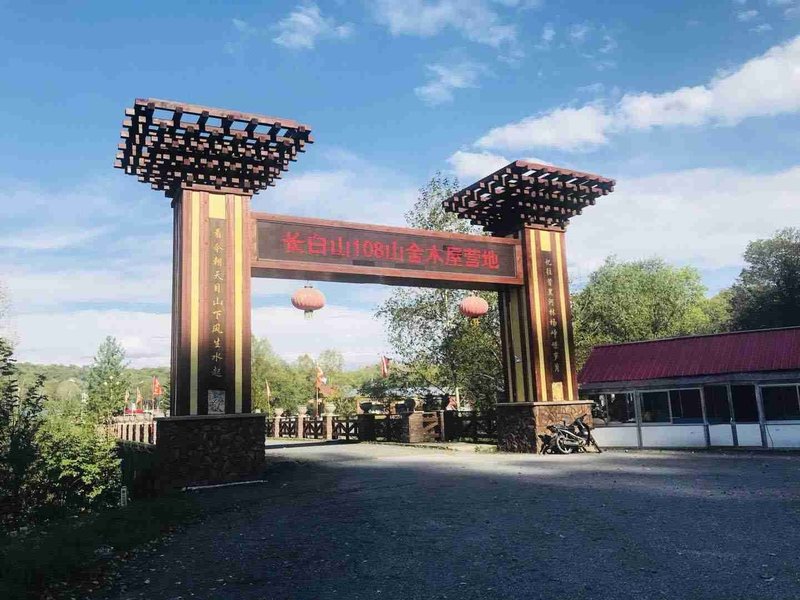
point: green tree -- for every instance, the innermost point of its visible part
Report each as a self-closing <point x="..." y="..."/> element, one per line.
<point x="643" y="300"/>
<point x="436" y="344"/>
<point x="107" y="381"/>
<point x="767" y="292"/>
<point x="332" y="364"/>
<point x="20" y="421"/>
<point x="289" y="387"/>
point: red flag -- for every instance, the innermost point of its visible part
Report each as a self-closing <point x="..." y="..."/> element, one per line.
<point x="321" y="379"/>
<point x="385" y="366"/>
<point x="157" y="389"/>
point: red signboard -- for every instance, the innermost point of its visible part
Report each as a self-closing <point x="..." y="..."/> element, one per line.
<point x="318" y="249"/>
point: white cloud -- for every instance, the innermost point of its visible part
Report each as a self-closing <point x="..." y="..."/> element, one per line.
<point x="609" y="44"/>
<point x="763" y="86"/>
<point x="305" y="25"/>
<point x="578" y="32"/>
<point x="701" y="217"/>
<point x="355" y="191"/>
<point x="356" y="333"/>
<point x="50" y="238"/>
<point x="761" y="28"/>
<point x="564" y="128"/>
<point x="746" y="15"/>
<point x="476" y="20"/>
<point x="470" y="166"/>
<point x="37" y="288"/>
<point x="73" y="337"/>
<point x="547" y="37"/>
<point x="445" y="79"/>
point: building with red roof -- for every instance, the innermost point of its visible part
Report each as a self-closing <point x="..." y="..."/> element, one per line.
<point x="731" y="389"/>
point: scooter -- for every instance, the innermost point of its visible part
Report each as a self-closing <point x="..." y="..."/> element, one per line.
<point x="566" y="439"/>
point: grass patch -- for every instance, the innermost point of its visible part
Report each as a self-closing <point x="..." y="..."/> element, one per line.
<point x="77" y="550"/>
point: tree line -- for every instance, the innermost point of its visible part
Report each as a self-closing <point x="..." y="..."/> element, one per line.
<point x="622" y="301"/>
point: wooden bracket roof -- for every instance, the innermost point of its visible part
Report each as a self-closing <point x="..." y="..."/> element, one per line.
<point x="526" y="193"/>
<point x="171" y="144"/>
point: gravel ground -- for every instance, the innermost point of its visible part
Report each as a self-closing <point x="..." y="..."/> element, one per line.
<point x="378" y="521"/>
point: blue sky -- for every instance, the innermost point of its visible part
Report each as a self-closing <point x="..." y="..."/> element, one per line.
<point x="692" y="107"/>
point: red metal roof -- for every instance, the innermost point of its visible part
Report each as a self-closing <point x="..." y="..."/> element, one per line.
<point x="739" y="352"/>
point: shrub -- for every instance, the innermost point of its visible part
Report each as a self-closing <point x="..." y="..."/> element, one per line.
<point x="53" y="460"/>
<point x="77" y="467"/>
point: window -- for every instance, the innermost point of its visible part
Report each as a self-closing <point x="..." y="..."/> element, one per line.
<point x="745" y="409"/>
<point x="717" y="408"/>
<point x="612" y="409"/>
<point x="655" y="407"/>
<point x="620" y="408"/>
<point x="686" y="406"/>
<point x="781" y="402"/>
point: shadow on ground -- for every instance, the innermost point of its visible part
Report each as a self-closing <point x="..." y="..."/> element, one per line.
<point x="371" y="521"/>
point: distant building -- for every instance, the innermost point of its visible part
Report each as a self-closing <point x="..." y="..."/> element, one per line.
<point x="732" y="389"/>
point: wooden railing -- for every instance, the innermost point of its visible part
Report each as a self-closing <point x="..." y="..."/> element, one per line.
<point x="469" y="426"/>
<point x="388" y="428"/>
<point x="313" y="428"/>
<point x="287" y="427"/>
<point x="135" y="428"/>
<point x="345" y="428"/>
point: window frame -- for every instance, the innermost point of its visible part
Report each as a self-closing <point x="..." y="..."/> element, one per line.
<point x="796" y="386"/>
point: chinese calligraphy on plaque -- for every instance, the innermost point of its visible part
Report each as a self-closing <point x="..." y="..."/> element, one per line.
<point x="216" y="302"/>
<point x="392" y="249"/>
<point x="553" y="323"/>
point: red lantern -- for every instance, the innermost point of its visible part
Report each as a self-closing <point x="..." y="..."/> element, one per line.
<point x="473" y="307"/>
<point x="308" y="299"/>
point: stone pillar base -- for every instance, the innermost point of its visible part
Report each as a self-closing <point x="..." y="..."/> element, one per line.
<point x="413" y="431"/>
<point x="366" y="428"/>
<point x="209" y="449"/>
<point x="519" y="424"/>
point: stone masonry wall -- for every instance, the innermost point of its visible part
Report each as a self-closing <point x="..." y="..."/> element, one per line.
<point x="516" y="428"/>
<point x="201" y="450"/>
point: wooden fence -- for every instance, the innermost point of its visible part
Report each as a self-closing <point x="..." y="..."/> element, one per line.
<point x="137" y="428"/>
<point x="341" y="428"/>
<point x="443" y="426"/>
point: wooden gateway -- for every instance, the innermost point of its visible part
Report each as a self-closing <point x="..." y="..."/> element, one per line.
<point x="211" y="161"/>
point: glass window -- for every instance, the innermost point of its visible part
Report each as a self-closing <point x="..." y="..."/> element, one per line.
<point x="686" y="406"/>
<point x="745" y="409"/>
<point x="620" y="408"/>
<point x="717" y="408"/>
<point x="780" y="402"/>
<point x="655" y="407"/>
<point x="599" y="408"/>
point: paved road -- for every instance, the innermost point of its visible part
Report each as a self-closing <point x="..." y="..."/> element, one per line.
<point x="378" y="521"/>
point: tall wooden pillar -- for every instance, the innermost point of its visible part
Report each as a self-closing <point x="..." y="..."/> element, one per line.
<point x="209" y="161"/>
<point x="538" y="343"/>
<point x="533" y="203"/>
<point x="210" y="371"/>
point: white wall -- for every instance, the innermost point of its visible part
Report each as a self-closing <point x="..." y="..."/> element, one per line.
<point x="783" y="435"/>
<point x="673" y="436"/>
<point x="748" y="434"/>
<point x="616" y="437"/>
<point x="721" y="435"/>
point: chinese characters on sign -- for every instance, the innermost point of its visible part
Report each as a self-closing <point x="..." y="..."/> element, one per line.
<point x="217" y="308"/>
<point x="454" y="255"/>
<point x="552" y="317"/>
<point x="387" y="248"/>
